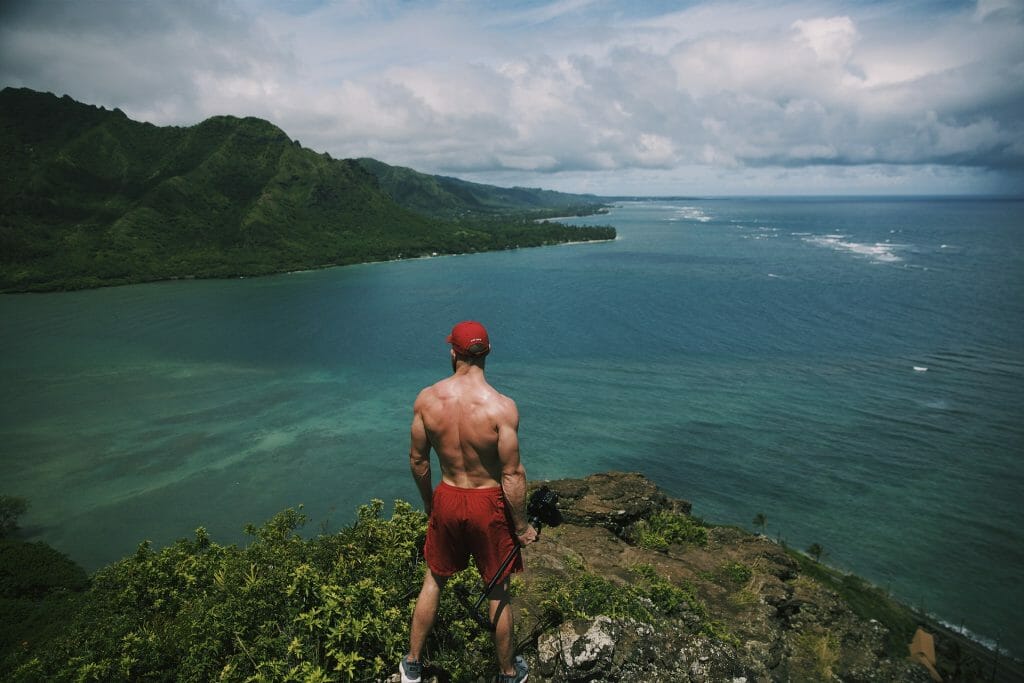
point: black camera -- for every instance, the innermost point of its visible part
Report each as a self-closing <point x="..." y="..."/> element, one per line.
<point x="543" y="507"/>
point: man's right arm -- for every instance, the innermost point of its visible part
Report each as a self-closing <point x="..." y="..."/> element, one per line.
<point x="419" y="458"/>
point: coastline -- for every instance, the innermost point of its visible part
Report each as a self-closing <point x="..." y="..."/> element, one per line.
<point x="49" y="288"/>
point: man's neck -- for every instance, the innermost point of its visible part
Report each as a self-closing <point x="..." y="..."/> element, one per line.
<point x="464" y="369"/>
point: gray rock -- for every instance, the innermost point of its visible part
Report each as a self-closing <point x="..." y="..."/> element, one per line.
<point x="579" y="650"/>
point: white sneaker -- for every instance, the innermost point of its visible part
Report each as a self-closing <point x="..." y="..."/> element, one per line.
<point x="412" y="672"/>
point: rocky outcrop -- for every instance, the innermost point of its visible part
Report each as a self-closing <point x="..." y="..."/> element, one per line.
<point x="755" y="614"/>
<point x="611" y="500"/>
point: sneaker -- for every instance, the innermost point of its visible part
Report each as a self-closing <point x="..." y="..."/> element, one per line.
<point x="412" y="672"/>
<point x="520" y="676"/>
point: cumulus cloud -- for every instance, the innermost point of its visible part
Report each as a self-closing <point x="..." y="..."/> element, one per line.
<point x="563" y="89"/>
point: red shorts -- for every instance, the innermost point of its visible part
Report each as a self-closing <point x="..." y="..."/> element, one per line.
<point x="466" y="522"/>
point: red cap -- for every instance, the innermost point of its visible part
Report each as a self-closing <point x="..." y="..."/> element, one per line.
<point x="469" y="338"/>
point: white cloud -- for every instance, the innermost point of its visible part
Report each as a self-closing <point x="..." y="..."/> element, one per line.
<point x="831" y="39"/>
<point x="563" y="88"/>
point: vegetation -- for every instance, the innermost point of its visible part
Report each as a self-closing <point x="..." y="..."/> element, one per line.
<point x="337" y="607"/>
<point x="40" y="589"/>
<point x="665" y="528"/>
<point x="284" y="608"/>
<point x="648" y="597"/>
<point x="815" y="657"/>
<point x="455" y="199"/>
<point x="90" y="198"/>
<point x="734" y="573"/>
<point x="867" y="601"/>
<point x="11" y="508"/>
<point x="816" y="551"/>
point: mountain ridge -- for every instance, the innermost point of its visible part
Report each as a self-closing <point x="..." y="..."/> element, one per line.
<point x="92" y="198"/>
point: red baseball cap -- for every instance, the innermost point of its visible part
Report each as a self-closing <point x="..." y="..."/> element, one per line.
<point x="469" y="338"/>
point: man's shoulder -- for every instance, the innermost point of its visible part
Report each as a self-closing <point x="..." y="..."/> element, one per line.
<point x="507" y="406"/>
<point x="506" y="400"/>
<point x="433" y="391"/>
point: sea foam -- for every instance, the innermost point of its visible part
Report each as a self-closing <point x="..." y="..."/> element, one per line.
<point x="882" y="252"/>
<point x="693" y="213"/>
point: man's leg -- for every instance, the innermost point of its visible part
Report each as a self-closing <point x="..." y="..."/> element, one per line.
<point x="425" y="613"/>
<point x="500" y="607"/>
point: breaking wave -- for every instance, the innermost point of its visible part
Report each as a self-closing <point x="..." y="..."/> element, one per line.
<point x="882" y="252"/>
<point x="693" y="213"/>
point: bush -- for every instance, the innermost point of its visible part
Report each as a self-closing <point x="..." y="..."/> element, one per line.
<point x="11" y="507"/>
<point x="284" y="608"/>
<point x="39" y="592"/>
<point x="735" y="573"/>
<point x="31" y="570"/>
<point x="649" y="597"/>
<point x="665" y="528"/>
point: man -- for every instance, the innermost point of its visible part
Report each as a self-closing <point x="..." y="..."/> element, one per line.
<point x="479" y="507"/>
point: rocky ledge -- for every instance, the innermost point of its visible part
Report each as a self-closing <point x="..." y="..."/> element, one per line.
<point x="610" y="596"/>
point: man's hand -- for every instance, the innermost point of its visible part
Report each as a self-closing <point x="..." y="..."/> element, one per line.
<point x="528" y="536"/>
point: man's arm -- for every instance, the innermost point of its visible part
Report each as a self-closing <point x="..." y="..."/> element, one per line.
<point x="513" y="474"/>
<point x="419" y="458"/>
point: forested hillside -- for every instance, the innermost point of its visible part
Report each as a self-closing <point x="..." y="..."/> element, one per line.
<point x="454" y="199"/>
<point x="90" y="198"/>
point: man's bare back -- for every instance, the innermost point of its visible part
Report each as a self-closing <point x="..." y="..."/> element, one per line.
<point x="475" y="432"/>
<point x="466" y="421"/>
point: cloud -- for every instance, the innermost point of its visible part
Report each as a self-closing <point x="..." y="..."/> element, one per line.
<point x="168" y="62"/>
<point x="562" y="89"/>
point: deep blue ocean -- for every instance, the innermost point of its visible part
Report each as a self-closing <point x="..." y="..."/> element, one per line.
<point x="851" y="368"/>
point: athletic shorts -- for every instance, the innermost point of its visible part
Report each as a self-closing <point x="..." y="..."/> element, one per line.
<point x="466" y="522"/>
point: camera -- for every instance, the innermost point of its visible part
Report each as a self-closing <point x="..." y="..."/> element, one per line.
<point x="543" y="508"/>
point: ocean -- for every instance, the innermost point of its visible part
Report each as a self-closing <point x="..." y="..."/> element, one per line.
<point x="853" y="369"/>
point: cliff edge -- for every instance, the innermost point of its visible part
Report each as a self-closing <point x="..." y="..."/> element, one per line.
<point x="630" y="587"/>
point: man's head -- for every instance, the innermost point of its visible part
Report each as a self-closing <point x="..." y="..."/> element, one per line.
<point x="469" y="340"/>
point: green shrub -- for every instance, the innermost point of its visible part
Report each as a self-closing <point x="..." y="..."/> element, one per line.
<point x="665" y="528"/>
<point x="735" y="573"/>
<point x="40" y="590"/>
<point x="11" y="507"/>
<point x="31" y="570"/>
<point x="284" y="608"/>
<point x="649" y="597"/>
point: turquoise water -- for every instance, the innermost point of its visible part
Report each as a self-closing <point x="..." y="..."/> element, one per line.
<point x="850" y="368"/>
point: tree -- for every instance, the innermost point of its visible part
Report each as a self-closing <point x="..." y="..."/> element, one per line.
<point x="760" y="521"/>
<point x="816" y="551"/>
<point x="11" y="507"/>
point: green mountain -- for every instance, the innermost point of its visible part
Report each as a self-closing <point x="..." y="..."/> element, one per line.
<point x="92" y="198"/>
<point x="455" y="199"/>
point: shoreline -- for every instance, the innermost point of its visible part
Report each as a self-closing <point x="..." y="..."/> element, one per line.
<point x="295" y="271"/>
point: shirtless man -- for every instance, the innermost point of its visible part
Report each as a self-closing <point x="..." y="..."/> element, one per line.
<point x="479" y="507"/>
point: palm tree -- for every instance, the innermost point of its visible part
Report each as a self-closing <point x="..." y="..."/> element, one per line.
<point x="816" y="551"/>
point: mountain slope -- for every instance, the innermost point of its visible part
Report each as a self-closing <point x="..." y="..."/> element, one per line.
<point x="452" y="198"/>
<point x="90" y="197"/>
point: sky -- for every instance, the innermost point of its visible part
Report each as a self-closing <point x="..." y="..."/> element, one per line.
<point x="744" y="97"/>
